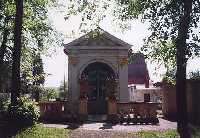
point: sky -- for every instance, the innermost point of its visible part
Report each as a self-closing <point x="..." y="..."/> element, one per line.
<point x="57" y="65"/>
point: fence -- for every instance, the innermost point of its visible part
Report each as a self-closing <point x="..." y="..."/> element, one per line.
<point x="58" y="110"/>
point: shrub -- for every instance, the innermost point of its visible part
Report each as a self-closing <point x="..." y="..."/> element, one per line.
<point x="4" y="100"/>
<point x="170" y="78"/>
<point x="36" y="92"/>
<point x="25" y="113"/>
<point x="48" y="94"/>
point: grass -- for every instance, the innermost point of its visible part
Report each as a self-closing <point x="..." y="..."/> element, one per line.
<point x="195" y="131"/>
<point x="170" y="133"/>
<point x="38" y="131"/>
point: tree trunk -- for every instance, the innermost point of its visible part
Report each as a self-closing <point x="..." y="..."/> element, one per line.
<point x="181" y="70"/>
<point x="17" y="52"/>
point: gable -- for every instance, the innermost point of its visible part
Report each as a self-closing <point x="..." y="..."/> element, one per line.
<point x="101" y="39"/>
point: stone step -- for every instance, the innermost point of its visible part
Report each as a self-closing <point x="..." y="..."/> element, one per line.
<point x="97" y="118"/>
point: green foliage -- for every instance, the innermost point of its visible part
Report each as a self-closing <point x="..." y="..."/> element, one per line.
<point x="161" y="134"/>
<point x="25" y="113"/>
<point x="92" y="12"/>
<point x="36" y="92"/>
<point x="32" y="76"/>
<point x="63" y="90"/>
<point x="4" y="101"/>
<point x="39" y="131"/>
<point x="195" y="131"/>
<point x="48" y="94"/>
<point x="164" y="17"/>
<point x="162" y="53"/>
<point x="38" y="36"/>
<point x="170" y="77"/>
<point x="38" y="71"/>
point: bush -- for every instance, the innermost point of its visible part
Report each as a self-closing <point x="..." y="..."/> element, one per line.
<point x="170" y="78"/>
<point x="25" y="113"/>
<point x="4" y="100"/>
<point x="48" y="94"/>
<point x="36" y="92"/>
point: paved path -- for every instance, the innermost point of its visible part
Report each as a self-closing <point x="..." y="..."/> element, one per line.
<point x="163" y="125"/>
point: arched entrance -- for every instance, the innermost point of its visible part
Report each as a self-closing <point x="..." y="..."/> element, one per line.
<point x="95" y="75"/>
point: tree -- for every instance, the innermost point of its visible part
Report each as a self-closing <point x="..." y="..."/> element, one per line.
<point x="38" y="74"/>
<point x="171" y="20"/>
<point x="63" y="89"/>
<point x="49" y="93"/>
<point x="38" y="71"/>
<point x="6" y="25"/>
<point x="15" y="90"/>
<point x="38" y="35"/>
<point x="181" y="62"/>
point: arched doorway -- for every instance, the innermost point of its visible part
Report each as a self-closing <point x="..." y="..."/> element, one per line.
<point x="96" y="75"/>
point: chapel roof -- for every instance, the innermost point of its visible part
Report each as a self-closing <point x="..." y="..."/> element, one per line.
<point x="98" y="37"/>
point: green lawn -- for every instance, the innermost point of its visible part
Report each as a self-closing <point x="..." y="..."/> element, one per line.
<point x="195" y="131"/>
<point x="38" y="131"/>
<point x="158" y="134"/>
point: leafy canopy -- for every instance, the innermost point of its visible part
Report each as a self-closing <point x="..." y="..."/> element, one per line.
<point x="38" y="34"/>
<point x="163" y="16"/>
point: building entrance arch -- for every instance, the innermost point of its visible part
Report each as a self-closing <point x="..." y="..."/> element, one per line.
<point x="95" y="76"/>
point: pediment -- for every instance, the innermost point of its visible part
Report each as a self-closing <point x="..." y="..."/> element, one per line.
<point x="101" y="41"/>
<point x="98" y="39"/>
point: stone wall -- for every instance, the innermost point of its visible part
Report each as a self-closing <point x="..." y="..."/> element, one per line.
<point x="58" y="111"/>
<point x="193" y="97"/>
<point x="169" y="107"/>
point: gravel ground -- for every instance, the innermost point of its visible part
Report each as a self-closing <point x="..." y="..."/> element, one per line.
<point x="104" y="130"/>
<point x="163" y="125"/>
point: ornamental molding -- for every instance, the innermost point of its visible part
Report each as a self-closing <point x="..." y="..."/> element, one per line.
<point x="123" y="61"/>
<point x="111" y="52"/>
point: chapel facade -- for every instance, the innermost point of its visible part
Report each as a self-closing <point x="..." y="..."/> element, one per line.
<point x="94" y="60"/>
